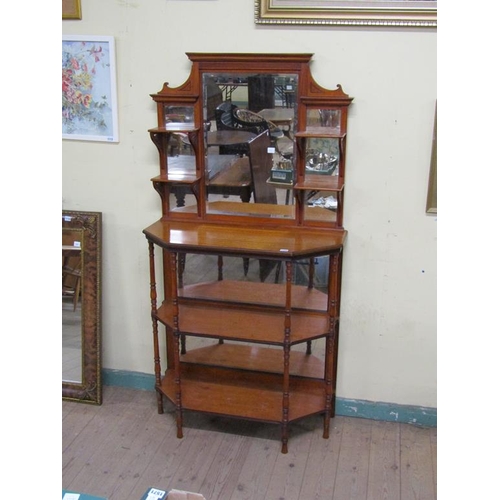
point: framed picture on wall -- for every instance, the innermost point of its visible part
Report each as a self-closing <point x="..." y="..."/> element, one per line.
<point x="431" y="207"/>
<point x="89" y="102"/>
<point x="71" y="9"/>
<point x="405" y="13"/>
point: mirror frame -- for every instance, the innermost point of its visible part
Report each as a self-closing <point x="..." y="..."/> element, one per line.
<point x="90" y="389"/>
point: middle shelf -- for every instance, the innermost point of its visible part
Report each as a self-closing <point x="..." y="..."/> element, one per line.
<point x="244" y="324"/>
<point x="251" y="357"/>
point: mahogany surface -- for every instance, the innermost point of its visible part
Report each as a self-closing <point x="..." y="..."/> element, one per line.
<point x="248" y="325"/>
<point x="250" y="293"/>
<point x="261" y="359"/>
<point x="278" y="242"/>
<point x="243" y="393"/>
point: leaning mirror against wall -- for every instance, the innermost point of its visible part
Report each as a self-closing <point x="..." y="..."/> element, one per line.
<point x="81" y="306"/>
<point x="249" y="124"/>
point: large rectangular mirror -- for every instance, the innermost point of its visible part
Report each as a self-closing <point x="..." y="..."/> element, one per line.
<point x="250" y="119"/>
<point x="81" y="306"/>
<point x="249" y="124"/>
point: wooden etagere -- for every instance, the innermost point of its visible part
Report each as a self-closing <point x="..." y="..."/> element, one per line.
<point x="258" y="362"/>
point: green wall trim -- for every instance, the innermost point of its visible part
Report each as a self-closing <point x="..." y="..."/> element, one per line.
<point x="373" y="410"/>
<point x="388" y="412"/>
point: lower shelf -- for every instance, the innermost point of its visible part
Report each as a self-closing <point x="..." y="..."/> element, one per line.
<point x="244" y="394"/>
<point x="255" y="358"/>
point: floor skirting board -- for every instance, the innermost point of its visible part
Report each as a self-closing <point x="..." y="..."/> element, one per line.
<point x="374" y="410"/>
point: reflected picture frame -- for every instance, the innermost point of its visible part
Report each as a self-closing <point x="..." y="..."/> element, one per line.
<point x="71" y="9"/>
<point x="89" y="88"/>
<point x="388" y="13"/>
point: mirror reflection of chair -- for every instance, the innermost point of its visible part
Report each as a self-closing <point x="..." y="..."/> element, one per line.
<point x="71" y="279"/>
<point x="247" y="118"/>
<point x="225" y="120"/>
<point x="228" y="116"/>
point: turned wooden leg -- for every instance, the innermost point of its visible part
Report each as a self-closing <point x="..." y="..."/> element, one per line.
<point x="284" y="439"/>
<point x="179" y="424"/>
<point x="326" y="425"/>
<point x="159" y="402"/>
<point x="220" y="268"/>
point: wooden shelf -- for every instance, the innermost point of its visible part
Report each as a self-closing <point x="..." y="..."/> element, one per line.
<point x="247" y="292"/>
<point x="256" y="358"/>
<point x="243" y="394"/>
<point x="315" y="182"/>
<point x="174" y="128"/>
<point x="261" y="325"/>
<point x="321" y="132"/>
<point x="177" y="178"/>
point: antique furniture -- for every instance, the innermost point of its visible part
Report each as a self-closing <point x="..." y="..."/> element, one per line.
<point x="81" y="323"/>
<point x="237" y="345"/>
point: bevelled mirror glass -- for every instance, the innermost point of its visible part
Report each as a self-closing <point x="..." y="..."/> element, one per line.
<point x="81" y="306"/>
<point x="249" y="123"/>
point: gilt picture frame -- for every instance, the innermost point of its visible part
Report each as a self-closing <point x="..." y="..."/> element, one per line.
<point x="383" y="13"/>
<point x="89" y="90"/>
<point x="71" y="9"/>
<point x="431" y="205"/>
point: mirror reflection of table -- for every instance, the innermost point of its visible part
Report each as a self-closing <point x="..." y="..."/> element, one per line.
<point x="228" y="137"/>
<point x="282" y="117"/>
<point x="227" y="174"/>
<point x="230" y="141"/>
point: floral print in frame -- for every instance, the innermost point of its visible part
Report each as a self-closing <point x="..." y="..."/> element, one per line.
<point x="89" y="107"/>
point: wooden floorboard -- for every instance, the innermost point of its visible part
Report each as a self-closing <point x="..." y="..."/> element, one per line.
<point x="385" y="465"/>
<point x="121" y="448"/>
<point x="322" y="462"/>
<point x="417" y="476"/>
<point x="254" y="474"/>
<point x="288" y="473"/>
<point x="351" y="482"/>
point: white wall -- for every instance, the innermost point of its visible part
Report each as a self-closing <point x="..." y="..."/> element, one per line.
<point x="388" y="314"/>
